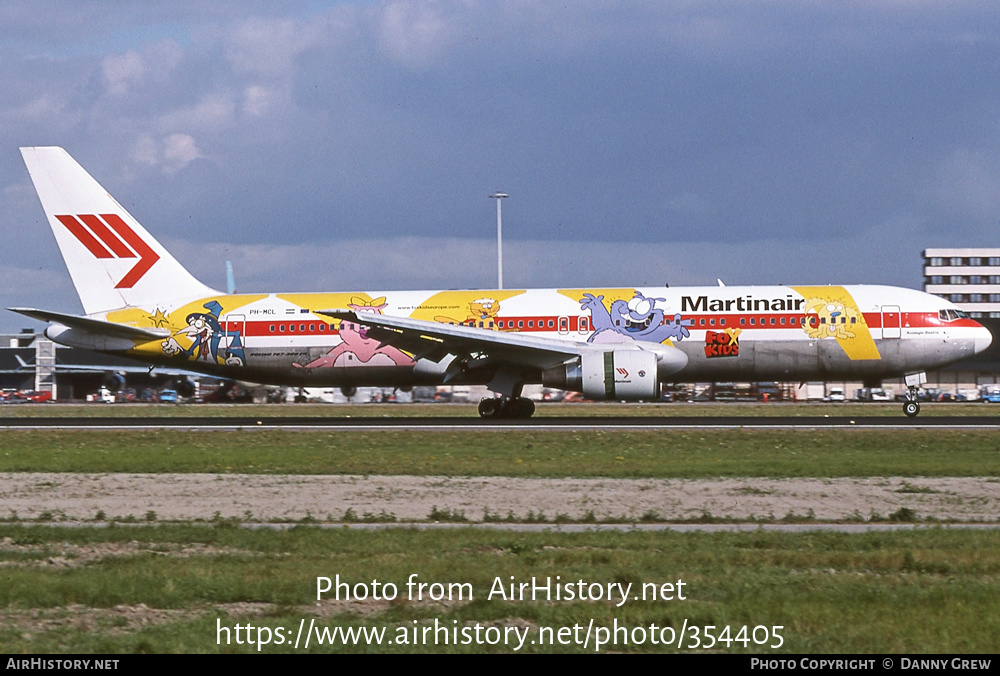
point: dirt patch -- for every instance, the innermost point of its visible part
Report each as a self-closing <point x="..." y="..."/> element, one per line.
<point x="290" y="498"/>
<point x="67" y="555"/>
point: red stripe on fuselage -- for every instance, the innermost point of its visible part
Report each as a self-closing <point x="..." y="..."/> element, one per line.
<point x="873" y="320"/>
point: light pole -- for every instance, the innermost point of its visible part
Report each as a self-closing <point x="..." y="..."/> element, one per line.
<point x="498" y="196"/>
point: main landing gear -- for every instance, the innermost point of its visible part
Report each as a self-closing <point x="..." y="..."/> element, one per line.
<point x="506" y="407"/>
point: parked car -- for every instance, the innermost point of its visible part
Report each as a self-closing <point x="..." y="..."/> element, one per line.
<point x="168" y="396"/>
<point x="12" y="397"/>
<point x="878" y="394"/>
<point x="989" y="394"/>
<point x="37" y="396"/>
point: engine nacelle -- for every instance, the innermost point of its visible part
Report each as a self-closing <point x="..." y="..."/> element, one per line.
<point x="630" y="375"/>
<point x="86" y="340"/>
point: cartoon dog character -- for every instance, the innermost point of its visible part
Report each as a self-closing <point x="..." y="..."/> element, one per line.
<point x="637" y="319"/>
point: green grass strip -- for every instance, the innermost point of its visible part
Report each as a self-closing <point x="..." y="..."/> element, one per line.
<point x="928" y="591"/>
<point x="635" y="454"/>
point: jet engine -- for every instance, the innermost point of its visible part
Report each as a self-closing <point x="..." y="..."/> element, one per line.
<point x="625" y="374"/>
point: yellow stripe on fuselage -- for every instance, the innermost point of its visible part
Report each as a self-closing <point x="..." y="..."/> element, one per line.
<point x="855" y="339"/>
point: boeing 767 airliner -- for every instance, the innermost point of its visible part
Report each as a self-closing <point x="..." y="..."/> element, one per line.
<point x="616" y="344"/>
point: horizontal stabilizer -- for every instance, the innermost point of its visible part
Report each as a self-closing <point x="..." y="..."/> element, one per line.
<point x="97" y="326"/>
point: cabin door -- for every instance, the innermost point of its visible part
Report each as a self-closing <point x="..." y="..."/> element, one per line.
<point x="890" y="321"/>
<point x="234" y="331"/>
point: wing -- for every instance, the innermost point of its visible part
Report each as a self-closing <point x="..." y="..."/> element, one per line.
<point x="435" y="341"/>
<point x="505" y="360"/>
<point x="95" y="326"/>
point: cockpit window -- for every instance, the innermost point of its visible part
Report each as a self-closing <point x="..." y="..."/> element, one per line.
<point x="952" y="315"/>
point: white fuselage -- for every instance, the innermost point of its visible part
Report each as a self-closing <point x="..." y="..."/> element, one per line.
<point x="726" y="333"/>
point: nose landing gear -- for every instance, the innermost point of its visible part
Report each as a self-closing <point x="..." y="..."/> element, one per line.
<point x="911" y="407"/>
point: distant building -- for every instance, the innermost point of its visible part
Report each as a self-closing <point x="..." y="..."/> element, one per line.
<point x="970" y="278"/>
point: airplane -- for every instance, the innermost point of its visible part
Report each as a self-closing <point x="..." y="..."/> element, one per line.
<point x="608" y="344"/>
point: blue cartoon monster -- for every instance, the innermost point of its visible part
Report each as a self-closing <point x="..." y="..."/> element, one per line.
<point x="206" y="334"/>
<point x="637" y="319"/>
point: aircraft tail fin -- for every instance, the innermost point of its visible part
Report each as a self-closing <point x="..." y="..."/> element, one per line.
<point x="113" y="261"/>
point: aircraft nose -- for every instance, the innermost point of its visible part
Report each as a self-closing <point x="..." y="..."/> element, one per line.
<point x="983" y="339"/>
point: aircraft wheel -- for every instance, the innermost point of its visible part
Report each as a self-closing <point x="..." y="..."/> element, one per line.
<point x="490" y="407"/>
<point x="911" y="408"/>
<point x="521" y="407"/>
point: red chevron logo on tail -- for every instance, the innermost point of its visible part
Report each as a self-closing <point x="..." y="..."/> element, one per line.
<point x="108" y="236"/>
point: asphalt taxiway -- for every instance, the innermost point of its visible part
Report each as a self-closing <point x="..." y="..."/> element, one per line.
<point x="473" y="423"/>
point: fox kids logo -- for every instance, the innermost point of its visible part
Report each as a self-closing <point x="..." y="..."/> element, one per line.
<point x="722" y="344"/>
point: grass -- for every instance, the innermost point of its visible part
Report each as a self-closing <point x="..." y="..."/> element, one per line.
<point x="831" y="592"/>
<point x="624" y="454"/>
<point x="166" y="588"/>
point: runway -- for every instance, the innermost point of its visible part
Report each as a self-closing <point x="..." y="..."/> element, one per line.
<point x="479" y="424"/>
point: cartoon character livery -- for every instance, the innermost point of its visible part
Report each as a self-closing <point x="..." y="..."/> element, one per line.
<point x="637" y="319"/>
<point x="356" y="348"/>
<point x="207" y="335"/>
<point x="608" y="344"/>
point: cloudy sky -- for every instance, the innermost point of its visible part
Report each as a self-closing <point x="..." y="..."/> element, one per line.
<point x="327" y="146"/>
